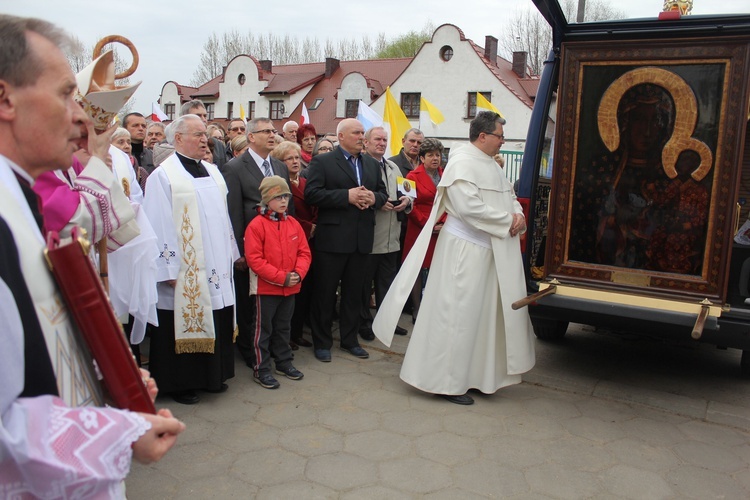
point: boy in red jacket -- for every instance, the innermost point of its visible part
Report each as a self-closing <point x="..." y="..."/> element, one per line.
<point x="277" y="252"/>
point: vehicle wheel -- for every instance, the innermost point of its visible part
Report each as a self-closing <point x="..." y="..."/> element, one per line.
<point x="745" y="364"/>
<point x="549" y="329"/>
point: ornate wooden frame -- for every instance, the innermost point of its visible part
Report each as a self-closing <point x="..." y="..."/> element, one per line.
<point x="592" y="81"/>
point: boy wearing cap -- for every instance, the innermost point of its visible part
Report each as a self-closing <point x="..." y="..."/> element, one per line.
<point x="277" y="252"/>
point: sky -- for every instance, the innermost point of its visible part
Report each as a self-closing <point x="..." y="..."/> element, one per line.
<point x="169" y="35"/>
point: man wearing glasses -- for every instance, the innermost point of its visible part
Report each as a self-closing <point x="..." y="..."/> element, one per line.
<point x="236" y="128"/>
<point x="467" y="336"/>
<point x="186" y="205"/>
<point x="244" y="175"/>
<point x="197" y="108"/>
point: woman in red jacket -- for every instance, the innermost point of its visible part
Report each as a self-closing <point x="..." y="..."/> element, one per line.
<point x="427" y="176"/>
<point x="278" y="254"/>
<point x="307" y="215"/>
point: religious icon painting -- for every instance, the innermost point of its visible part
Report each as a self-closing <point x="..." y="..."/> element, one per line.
<point x="647" y="148"/>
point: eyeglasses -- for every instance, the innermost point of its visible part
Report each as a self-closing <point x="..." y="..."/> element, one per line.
<point x="499" y="136"/>
<point x="282" y="197"/>
<point x="237" y="129"/>
<point x="196" y="134"/>
<point x="325" y="148"/>
<point x="265" y="131"/>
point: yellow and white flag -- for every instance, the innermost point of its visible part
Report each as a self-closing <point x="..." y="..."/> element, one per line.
<point x="394" y="116"/>
<point x="242" y="114"/>
<point x="484" y="104"/>
<point x="434" y="114"/>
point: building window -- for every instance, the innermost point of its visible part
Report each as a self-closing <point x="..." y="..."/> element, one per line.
<point x="410" y="104"/>
<point x="241" y="79"/>
<point x="315" y="105"/>
<point x="446" y="52"/>
<point x="250" y="110"/>
<point x="169" y="111"/>
<point x="276" y="110"/>
<point x="471" y="112"/>
<point x="210" y="111"/>
<point x="352" y="108"/>
<point x="230" y="110"/>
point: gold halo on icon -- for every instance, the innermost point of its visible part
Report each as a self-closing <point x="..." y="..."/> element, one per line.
<point x="686" y="107"/>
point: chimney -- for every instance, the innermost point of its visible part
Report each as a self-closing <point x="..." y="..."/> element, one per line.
<point x="331" y="66"/>
<point x="519" y="63"/>
<point x="490" y="49"/>
<point x="266" y="65"/>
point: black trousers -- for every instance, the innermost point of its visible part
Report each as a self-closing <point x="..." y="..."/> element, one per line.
<point x="330" y="269"/>
<point x="246" y="314"/>
<point x="302" y="302"/>
<point x="381" y="270"/>
<point x="272" y="332"/>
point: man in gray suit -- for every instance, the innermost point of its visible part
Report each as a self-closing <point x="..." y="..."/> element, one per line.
<point x="243" y="176"/>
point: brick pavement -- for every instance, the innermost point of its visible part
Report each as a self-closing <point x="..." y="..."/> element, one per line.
<point x="600" y="416"/>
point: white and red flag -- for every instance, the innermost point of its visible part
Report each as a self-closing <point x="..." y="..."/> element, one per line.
<point x="157" y="115"/>
<point x="304" y="117"/>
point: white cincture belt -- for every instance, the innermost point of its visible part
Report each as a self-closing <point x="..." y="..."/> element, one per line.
<point x="457" y="228"/>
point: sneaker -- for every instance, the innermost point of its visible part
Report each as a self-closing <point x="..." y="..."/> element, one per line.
<point x="290" y="372"/>
<point x="267" y="381"/>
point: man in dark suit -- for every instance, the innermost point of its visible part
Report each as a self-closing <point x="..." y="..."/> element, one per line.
<point x="243" y="176"/>
<point x="408" y="158"/>
<point x="347" y="188"/>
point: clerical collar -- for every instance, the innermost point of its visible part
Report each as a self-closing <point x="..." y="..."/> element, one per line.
<point x="20" y="172"/>
<point x="186" y="159"/>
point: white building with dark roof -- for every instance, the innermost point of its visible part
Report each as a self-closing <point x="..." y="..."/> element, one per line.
<point x="448" y="71"/>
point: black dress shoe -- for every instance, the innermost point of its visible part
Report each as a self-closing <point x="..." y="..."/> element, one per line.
<point x="303" y="343"/>
<point x="186" y="397"/>
<point x="400" y="331"/>
<point x="323" y="355"/>
<point x="221" y="389"/>
<point x="356" y="351"/>
<point x="367" y="334"/>
<point x="463" y="399"/>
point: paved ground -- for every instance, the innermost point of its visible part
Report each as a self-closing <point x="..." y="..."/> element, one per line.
<point x="601" y="416"/>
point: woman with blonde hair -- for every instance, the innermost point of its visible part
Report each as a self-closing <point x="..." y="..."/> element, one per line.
<point x="290" y="153"/>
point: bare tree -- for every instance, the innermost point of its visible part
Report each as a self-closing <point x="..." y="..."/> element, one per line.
<point x="78" y="54"/>
<point x="528" y="31"/>
<point x="211" y="61"/>
<point x="219" y="50"/>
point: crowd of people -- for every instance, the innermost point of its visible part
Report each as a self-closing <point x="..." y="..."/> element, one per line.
<point x="240" y="235"/>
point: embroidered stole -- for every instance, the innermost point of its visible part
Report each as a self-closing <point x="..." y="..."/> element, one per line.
<point x="193" y="314"/>
<point x="74" y="369"/>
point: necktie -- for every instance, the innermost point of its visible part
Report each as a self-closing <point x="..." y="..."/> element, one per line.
<point x="267" y="169"/>
<point x="353" y="161"/>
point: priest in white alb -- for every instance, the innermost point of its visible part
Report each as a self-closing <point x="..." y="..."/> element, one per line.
<point x="466" y="335"/>
<point x="186" y="202"/>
